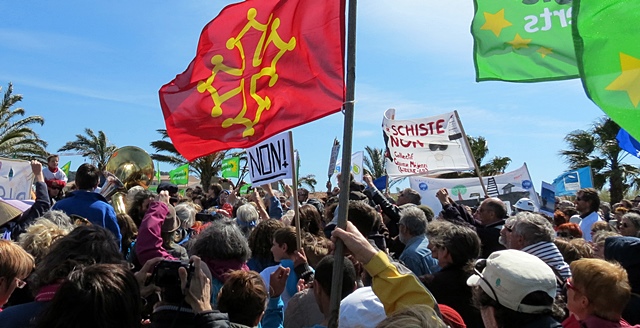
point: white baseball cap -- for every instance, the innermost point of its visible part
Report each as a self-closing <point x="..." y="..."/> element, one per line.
<point x="510" y="275"/>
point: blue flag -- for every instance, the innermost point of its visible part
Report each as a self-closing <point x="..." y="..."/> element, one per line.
<point x="628" y="143"/>
<point x="381" y="182"/>
<point x="568" y="183"/>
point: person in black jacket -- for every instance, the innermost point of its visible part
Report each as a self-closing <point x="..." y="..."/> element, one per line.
<point x="42" y="204"/>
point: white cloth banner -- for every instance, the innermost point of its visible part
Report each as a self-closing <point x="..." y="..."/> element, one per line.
<point x="357" y="169"/>
<point x="16" y="179"/>
<point x="509" y="187"/>
<point x="271" y="160"/>
<point x="424" y="146"/>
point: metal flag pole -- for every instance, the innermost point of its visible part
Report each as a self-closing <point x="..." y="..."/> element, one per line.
<point x="343" y="204"/>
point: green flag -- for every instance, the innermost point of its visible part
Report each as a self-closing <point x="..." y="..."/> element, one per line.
<point x="65" y="168"/>
<point x="180" y="175"/>
<point x="245" y="189"/>
<point x="231" y="167"/>
<point x="158" y="172"/>
<point x="607" y="41"/>
<point x="523" y="41"/>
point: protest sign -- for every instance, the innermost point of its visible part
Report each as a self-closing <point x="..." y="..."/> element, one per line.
<point x="510" y="187"/>
<point x="548" y="198"/>
<point x="424" y="146"/>
<point x="271" y="160"/>
<point x="16" y="179"/>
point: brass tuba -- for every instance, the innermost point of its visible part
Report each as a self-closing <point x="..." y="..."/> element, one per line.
<point x="128" y="167"/>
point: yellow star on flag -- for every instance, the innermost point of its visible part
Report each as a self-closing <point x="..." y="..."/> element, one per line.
<point x="629" y="80"/>
<point x="544" y="51"/>
<point x="518" y="42"/>
<point x="495" y="22"/>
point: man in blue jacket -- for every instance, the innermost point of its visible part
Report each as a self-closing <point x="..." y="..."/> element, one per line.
<point x="88" y="204"/>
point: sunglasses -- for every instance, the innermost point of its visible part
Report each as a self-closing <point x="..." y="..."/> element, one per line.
<point x="20" y="283"/>
<point x="478" y="267"/>
<point x="569" y="284"/>
<point x="434" y="147"/>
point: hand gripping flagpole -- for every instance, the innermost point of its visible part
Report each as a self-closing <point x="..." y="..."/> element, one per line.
<point x="343" y="204"/>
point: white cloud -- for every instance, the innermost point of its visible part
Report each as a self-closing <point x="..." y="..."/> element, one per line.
<point x="124" y="98"/>
<point x="43" y="41"/>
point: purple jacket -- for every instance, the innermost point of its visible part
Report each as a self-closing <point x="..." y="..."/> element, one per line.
<point x="149" y="242"/>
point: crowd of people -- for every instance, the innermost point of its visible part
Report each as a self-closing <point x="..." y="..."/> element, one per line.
<point x="215" y="258"/>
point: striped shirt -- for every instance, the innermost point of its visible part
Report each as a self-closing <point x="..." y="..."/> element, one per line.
<point x="549" y="253"/>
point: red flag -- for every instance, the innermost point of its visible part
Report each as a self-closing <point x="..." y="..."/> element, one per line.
<point x="262" y="67"/>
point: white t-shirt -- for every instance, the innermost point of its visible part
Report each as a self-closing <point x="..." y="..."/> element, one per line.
<point x="587" y="222"/>
<point x="58" y="175"/>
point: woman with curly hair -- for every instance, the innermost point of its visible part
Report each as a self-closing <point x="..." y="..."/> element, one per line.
<point x="260" y="242"/>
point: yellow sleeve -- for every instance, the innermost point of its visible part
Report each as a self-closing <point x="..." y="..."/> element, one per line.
<point x="394" y="289"/>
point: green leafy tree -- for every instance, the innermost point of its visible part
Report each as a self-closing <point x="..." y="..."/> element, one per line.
<point x="480" y="149"/>
<point x="308" y="180"/>
<point x="95" y="147"/>
<point x="17" y="139"/>
<point x="205" y="167"/>
<point x="374" y="162"/>
<point x="597" y="147"/>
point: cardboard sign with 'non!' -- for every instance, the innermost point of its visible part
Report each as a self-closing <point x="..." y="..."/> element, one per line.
<point x="271" y="160"/>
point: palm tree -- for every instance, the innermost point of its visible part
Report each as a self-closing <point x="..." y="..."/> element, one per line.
<point x="480" y="149"/>
<point x="96" y="147"/>
<point x="205" y="167"/>
<point x="374" y="162"/>
<point x="309" y="180"/>
<point x="17" y="139"/>
<point x="597" y="147"/>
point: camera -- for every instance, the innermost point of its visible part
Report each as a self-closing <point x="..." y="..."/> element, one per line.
<point x="165" y="274"/>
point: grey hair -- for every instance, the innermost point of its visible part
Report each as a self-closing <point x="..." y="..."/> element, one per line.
<point x="187" y="215"/>
<point x="634" y="218"/>
<point x="461" y="241"/>
<point x="533" y="227"/>
<point x="247" y="213"/>
<point x="222" y="240"/>
<point x="60" y="218"/>
<point x="414" y="219"/>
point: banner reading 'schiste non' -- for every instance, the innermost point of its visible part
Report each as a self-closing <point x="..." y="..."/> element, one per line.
<point x="424" y="146"/>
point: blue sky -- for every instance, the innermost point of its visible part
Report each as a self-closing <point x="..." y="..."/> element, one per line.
<point x="100" y="64"/>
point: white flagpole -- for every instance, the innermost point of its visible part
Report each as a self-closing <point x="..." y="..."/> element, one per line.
<point x="466" y="144"/>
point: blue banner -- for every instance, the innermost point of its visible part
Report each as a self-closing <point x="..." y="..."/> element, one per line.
<point x="628" y="143"/>
<point x="568" y="183"/>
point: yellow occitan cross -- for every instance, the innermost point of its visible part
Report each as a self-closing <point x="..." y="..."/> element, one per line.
<point x="629" y="80"/>
<point x="269" y="36"/>
<point x="495" y="22"/>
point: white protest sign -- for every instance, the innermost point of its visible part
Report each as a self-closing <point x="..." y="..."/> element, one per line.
<point x="357" y="169"/>
<point x="16" y="179"/>
<point x="271" y="160"/>
<point x="509" y="187"/>
<point x="424" y="146"/>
